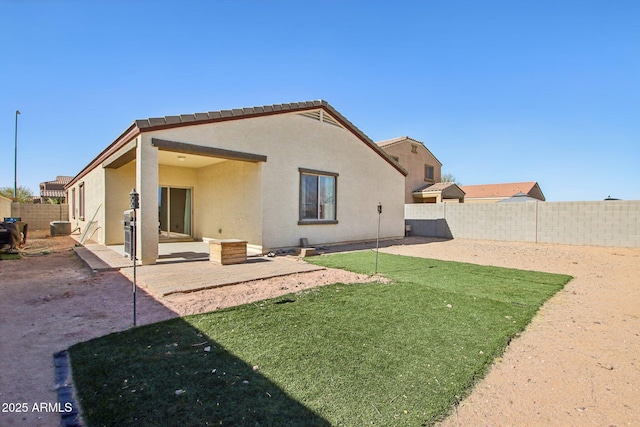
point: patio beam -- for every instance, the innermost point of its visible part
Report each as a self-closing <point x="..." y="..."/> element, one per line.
<point x="200" y="150"/>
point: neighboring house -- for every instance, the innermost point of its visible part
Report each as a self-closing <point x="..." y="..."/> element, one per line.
<point x="269" y="175"/>
<point x="422" y="184"/>
<point x="439" y="192"/>
<point x="53" y="191"/>
<point x="491" y="193"/>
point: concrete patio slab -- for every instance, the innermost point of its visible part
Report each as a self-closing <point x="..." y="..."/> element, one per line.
<point x="167" y="279"/>
<point x="172" y="274"/>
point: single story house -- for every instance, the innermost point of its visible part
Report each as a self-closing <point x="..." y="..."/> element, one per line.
<point x="492" y="193"/>
<point x="423" y="181"/>
<point x="269" y="175"/>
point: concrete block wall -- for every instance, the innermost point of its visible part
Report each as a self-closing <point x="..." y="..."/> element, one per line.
<point x="5" y="208"/>
<point x="38" y="216"/>
<point x="605" y="223"/>
<point x="513" y="221"/>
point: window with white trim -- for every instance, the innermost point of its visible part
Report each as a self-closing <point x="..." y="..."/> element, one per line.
<point x="318" y="197"/>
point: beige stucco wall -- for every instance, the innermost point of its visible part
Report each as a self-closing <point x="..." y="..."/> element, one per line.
<point x="229" y="201"/>
<point x="120" y="182"/>
<point x="94" y="205"/>
<point x="291" y="141"/>
<point x="414" y="163"/>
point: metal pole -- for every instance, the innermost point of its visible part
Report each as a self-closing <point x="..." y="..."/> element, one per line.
<point x="378" y="235"/>
<point x="134" y="251"/>
<point x="15" y="164"/>
<point x="134" y="203"/>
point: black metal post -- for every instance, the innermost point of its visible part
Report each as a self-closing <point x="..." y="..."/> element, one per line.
<point x="134" y="250"/>
<point x="378" y="235"/>
<point x="134" y="203"/>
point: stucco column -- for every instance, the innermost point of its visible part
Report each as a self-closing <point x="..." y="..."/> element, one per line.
<point x="147" y="187"/>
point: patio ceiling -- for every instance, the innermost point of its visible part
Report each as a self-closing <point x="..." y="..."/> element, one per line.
<point x="186" y="160"/>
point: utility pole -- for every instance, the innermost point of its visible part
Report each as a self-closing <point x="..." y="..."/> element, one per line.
<point x="15" y="163"/>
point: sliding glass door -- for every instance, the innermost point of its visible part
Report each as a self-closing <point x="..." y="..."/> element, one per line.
<point x="174" y="212"/>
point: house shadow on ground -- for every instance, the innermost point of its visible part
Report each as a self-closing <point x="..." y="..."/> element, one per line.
<point x="371" y="244"/>
<point x="170" y="373"/>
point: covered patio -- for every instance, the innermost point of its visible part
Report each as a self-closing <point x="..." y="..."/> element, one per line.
<point x="187" y="192"/>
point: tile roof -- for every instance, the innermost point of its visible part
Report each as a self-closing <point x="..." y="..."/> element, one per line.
<point x="389" y="142"/>
<point x="498" y="190"/>
<point x="166" y="122"/>
<point x="55" y="188"/>
<point x="236" y="113"/>
<point x="434" y="188"/>
<point x="394" y="140"/>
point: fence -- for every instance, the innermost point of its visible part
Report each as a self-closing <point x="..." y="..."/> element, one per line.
<point x="605" y="223"/>
<point x="5" y="207"/>
<point x="38" y="216"/>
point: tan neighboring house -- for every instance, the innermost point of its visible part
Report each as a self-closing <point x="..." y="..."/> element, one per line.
<point x="54" y="190"/>
<point x="269" y="175"/>
<point x="422" y="184"/>
<point x="492" y="193"/>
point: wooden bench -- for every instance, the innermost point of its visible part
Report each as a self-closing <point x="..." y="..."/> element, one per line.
<point x="227" y="251"/>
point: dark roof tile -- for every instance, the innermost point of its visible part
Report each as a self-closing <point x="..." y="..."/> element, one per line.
<point x="186" y="118"/>
<point x="170" y="120"/>
<point x="141" y="124"/>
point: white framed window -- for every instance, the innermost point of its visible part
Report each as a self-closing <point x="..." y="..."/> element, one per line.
<point x="318" y="197"/>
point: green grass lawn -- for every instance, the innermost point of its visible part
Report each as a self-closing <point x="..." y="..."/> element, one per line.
<point x="9" y="257"/>
<point x="400" y="353"/>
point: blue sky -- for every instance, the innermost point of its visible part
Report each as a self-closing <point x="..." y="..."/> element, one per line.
<point x="499" y="91"/>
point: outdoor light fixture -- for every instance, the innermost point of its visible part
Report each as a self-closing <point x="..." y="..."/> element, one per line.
<point x="182" y="158"/>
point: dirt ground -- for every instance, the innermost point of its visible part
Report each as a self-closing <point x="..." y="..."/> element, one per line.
<point x="577" y="363"/>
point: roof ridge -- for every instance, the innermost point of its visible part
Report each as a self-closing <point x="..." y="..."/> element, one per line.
<point x="228" y="113"/>
<point x="501" y="183"/>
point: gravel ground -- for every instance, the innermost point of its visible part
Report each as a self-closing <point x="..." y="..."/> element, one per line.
<point x="576" y="364"/>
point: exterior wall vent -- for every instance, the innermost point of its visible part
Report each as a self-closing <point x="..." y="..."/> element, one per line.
<point x="321" y="116"/>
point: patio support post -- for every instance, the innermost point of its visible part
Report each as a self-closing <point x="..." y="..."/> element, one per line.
<point x="147" y="187"/>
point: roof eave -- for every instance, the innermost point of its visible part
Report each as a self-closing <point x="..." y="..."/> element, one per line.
<point x="169" y="122"/>
<point x="131" y="132"/>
